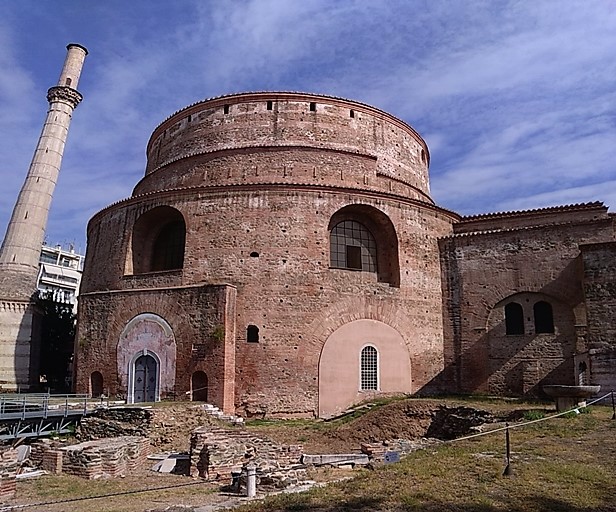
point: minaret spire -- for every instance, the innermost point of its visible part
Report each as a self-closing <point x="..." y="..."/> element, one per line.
<point x="21" y="247"/>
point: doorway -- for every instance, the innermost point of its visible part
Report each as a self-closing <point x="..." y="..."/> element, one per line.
<point x="199" y="386"/>
<point x="146" y="377"/>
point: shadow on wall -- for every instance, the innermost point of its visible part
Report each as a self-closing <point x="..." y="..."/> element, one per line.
<point x="529" y="341"/>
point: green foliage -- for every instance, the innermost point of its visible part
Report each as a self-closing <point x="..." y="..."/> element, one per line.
<point x="218" y="334"/>
<point x="533" y="415"/>
<point x="58" y="324"/>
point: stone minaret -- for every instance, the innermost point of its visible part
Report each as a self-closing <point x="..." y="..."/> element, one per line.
<point x="21" y="247"/>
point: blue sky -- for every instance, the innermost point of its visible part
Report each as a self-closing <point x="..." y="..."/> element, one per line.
<point x="516" y="99"/>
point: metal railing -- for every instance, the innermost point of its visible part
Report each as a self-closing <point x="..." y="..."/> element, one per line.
<point x="43" y="405"/>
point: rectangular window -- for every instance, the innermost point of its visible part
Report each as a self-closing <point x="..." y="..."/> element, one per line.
<point x="313" y="106"/>
<point x="353" y="255"/>
<point x="269" y="105"/>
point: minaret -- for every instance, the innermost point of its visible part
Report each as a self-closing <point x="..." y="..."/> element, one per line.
<point x="21" y="247"/>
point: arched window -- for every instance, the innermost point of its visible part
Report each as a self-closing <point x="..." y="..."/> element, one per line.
<point x="352" y="246"/>
<point x="168" y="249"/>
<point x="514" y="318"/>
<point x="158" y="241"/>
<point x="369" y="369"/>
<point x="362" y="237"/>
<point x="544" y="319"/>
<point x="582" y="374"/>
<point x="252" y="334"/>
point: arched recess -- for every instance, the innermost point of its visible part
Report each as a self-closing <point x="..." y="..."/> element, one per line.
<point x="199" y="386"/>
<point x="346" y="233"/>
<point x="158" y="241"/>
<point x="522" y="364"/>
<point x="147" y="334"/>
<point x="96" y="384"/>
<point x="340" y="365"/>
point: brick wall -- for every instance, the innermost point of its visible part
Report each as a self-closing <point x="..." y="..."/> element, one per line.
<point x="537" y="260"/>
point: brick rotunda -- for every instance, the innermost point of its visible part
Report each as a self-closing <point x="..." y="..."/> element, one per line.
<point x="282" y="256"/>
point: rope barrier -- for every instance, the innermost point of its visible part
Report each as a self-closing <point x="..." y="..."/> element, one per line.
<point x="530" y="422"/>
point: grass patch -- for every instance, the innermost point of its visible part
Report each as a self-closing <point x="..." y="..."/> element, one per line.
<point x="561" y="464"/>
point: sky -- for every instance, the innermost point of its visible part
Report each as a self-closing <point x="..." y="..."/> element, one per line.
<point x="515" y="99"/>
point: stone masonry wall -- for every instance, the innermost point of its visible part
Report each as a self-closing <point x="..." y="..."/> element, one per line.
<point x="483" y="270"/>
<point x="215" y="452"/>
<point x="600" y="294"/>
<point x="194" y="314"/>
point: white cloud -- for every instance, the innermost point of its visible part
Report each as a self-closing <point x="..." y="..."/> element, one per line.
<point x="515" y="98"/>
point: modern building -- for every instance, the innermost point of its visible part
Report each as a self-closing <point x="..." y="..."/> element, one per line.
<point x="282" y="256"/>
<point x="60" y="273"/>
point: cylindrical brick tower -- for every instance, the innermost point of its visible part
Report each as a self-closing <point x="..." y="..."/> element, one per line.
<point x="279" y="257"/>
<point x="21" y="247"/>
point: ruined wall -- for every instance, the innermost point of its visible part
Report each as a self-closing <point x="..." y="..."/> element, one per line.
<point x="537" y="260"/>
<point x="600" y="295"/>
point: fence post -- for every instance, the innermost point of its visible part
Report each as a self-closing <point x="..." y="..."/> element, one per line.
<point x="508" y="471"/>
<point x="613" y="407"/>
<point x="251" y="480"/>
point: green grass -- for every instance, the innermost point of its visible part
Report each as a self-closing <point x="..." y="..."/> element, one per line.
<point x="561" y="464"/>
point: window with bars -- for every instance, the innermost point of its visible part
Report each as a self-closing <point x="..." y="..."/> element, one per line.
<point x="352" y="246"/>
<point x="369" y="369"/>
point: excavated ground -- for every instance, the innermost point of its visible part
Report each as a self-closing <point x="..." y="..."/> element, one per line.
<point x="169" y="426"/>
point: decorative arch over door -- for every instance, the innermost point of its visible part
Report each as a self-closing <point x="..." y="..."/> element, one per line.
<point x="150" y="337"/>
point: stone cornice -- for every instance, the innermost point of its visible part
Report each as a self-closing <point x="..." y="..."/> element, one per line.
<point x="64" y="94"/>
<point x="274" y="186"/>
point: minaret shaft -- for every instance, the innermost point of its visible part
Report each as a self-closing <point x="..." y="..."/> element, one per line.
<point x="19" y="255"/>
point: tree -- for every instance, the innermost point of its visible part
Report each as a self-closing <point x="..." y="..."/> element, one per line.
<point x="58" y="324"/>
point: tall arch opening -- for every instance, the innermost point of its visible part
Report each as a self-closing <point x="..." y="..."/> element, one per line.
<point x="158" y="241"/>
<point x="514" y="319"/>
<point x="363" y="238"/>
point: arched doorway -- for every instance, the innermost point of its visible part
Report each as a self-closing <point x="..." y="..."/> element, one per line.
<point x="198" y="386"/>
<point x="96" y="384"/>
<point x="147" y="334"/>
<point x="146" y="379"/>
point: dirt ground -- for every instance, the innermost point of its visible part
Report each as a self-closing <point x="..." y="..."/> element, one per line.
<point x="172" y="424"/>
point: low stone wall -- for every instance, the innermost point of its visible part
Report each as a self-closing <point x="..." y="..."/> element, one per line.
<point x="103" y="458"/>
<point x="124" y="421"/>
<point x="377" y="451"/>
<point x="216" y="452"/>
<point x="7" y="481"/>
